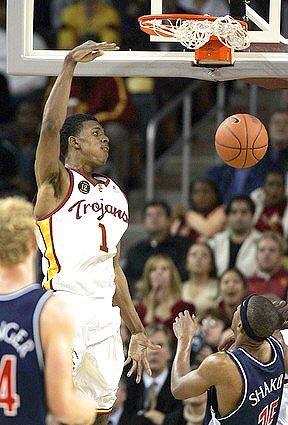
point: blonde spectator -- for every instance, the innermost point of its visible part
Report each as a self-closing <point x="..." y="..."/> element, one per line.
<point x="89" y="16"/>
<point x="206" y="216"/>
<point x="202" y="286"/>
<point x="161" y="292"/>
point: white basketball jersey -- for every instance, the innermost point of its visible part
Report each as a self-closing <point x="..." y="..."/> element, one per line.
<point x="79" y="238"/>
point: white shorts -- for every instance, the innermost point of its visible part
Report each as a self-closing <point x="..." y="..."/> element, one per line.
<point x="98" y="359"/>
<point x="283" y="415"/>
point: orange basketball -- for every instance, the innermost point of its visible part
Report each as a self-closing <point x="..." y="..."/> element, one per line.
<point x="241" y="140"/>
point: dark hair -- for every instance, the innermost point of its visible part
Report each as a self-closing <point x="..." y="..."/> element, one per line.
<point x="213" y="271"/>
<point x="241" y="198"/>
<point x="166" y="207"/>
<point x="72" y="127"/>
<point x="263" y="317"/>
<point x="237" y="271"/>
<point x="276" y="171"/>
<point x="213" y="186"/>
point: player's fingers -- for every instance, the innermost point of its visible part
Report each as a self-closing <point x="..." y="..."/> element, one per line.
<point x="139" y="371"/>
<point x="146" y="365"/>
<point x="127" y="361"/>
<point x="187" y="314"/>
<point x="133" y="368"/>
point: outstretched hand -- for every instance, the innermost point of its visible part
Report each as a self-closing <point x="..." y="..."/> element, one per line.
<point x="137" y="353"/>
<point x="185" y="327"/>
<point x="90" y="50"/>
<point x="282" y="308"/>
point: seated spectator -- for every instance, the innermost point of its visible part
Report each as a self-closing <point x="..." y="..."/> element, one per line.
<point x="206" y="215"/>
<point x="232" y="181"/>
<point x="192" y="412"/>
<point x="101" y="19"/>
<point x="270" y="276"/>
<point x="271" y="204"/>
<point x="161" y="292"/>
<point x="23" y="132"/>
<point x="119" y="415"/>
<point x="236" y="246"/>
<point x="202" y="287"/>
<point x="213" y="326"/>
<point x="233" y="288"/>
<point x="157" y="218"/>
<point x="151" y="399"/>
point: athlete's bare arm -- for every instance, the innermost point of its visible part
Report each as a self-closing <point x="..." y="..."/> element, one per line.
<point x="139" y="342"/>
<point x="51" y="175"/>
<point x="57" y="331"/>
<point x="216" y="370"/>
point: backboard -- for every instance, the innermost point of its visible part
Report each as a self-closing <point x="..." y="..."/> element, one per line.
<point x="267" y="57"/>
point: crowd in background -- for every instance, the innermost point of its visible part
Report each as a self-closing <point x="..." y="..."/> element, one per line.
<point x="231" y="242"/>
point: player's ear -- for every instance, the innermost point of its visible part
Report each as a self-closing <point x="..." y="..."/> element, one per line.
<point x="73" y="142"/>
<point x="240" y="327"/>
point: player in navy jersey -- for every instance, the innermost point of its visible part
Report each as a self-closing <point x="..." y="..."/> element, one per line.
<point x="244" y="385"/>
<point x="36" y="332"/>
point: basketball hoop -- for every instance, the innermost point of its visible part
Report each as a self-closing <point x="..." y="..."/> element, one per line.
<point x="213" y="39"/>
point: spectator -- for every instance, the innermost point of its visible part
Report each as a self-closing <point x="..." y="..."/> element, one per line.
<point x="119" y="415"/>
<point x="157" y="218"/>
<point x="192" y="412"/>
<point x="102" y="20"/>
<point x="206" y="215"/>
<point x="23" y="133"/>
<point x="19" y="86"/>
<point x="236" y="246"/>
<point x="161" y="289"/>
<point x="232" y="181"/>
<point x="270" y="276"/>
<point x="213" y="326"/>
<point x="202" y="287"/>
<point x="151" y="399"/>
<point x="233" y="288"/>
<point x="271" y="204"/>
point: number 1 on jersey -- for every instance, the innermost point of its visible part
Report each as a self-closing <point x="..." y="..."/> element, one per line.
<point x="9" y="399"/>
<point x="103" y="246"/>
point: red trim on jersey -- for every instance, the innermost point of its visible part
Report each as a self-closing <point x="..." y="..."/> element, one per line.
<point x="90" y="178"/>
<point x="43" y="217"/>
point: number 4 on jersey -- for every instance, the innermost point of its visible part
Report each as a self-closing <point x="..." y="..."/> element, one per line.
<point x="9" y="399"/>
<point x="267" y="415"/>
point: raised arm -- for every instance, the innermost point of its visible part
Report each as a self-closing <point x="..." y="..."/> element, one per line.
<point x="64" y="401"/>
<point x="48" y="164"/>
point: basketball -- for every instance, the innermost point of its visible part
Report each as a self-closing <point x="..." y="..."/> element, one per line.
<point x="241" y="140"/>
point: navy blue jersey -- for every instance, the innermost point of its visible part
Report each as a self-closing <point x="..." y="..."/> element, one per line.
<point x="22" y="395"/>
<point x="262" y="390"/>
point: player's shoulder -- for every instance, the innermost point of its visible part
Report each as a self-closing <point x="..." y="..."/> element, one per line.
<point x="56" y="312"/>
<point x="219" y="362"/>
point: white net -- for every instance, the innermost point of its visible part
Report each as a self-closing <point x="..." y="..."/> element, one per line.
<point x="194" y="34"/>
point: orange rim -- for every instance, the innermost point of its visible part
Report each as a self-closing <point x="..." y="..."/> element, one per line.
<point x="147" y="24"/>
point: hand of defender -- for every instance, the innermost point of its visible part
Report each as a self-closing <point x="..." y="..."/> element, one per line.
<point x="137" y="353"/>
<point x="185" y="327"/>
<point x="282" y="308"/>
<point x="90" y="50"/>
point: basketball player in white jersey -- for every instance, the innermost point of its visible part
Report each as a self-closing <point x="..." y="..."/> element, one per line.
<point x="81" y="217"/>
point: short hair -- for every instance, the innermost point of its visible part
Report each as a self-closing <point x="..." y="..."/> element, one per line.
<point x="17" y="229"/>
<point x="263" y="317"/>
<point x="159" y="327"/>
<point x="274" y="236"/>
<point x="164" y="205"/>
<point x="241" y="198"/>
<point x="278" y="172"/>
<point x="238" y="272"/>
<point x="213" y="186"/>
<point x="72" y="127"/>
